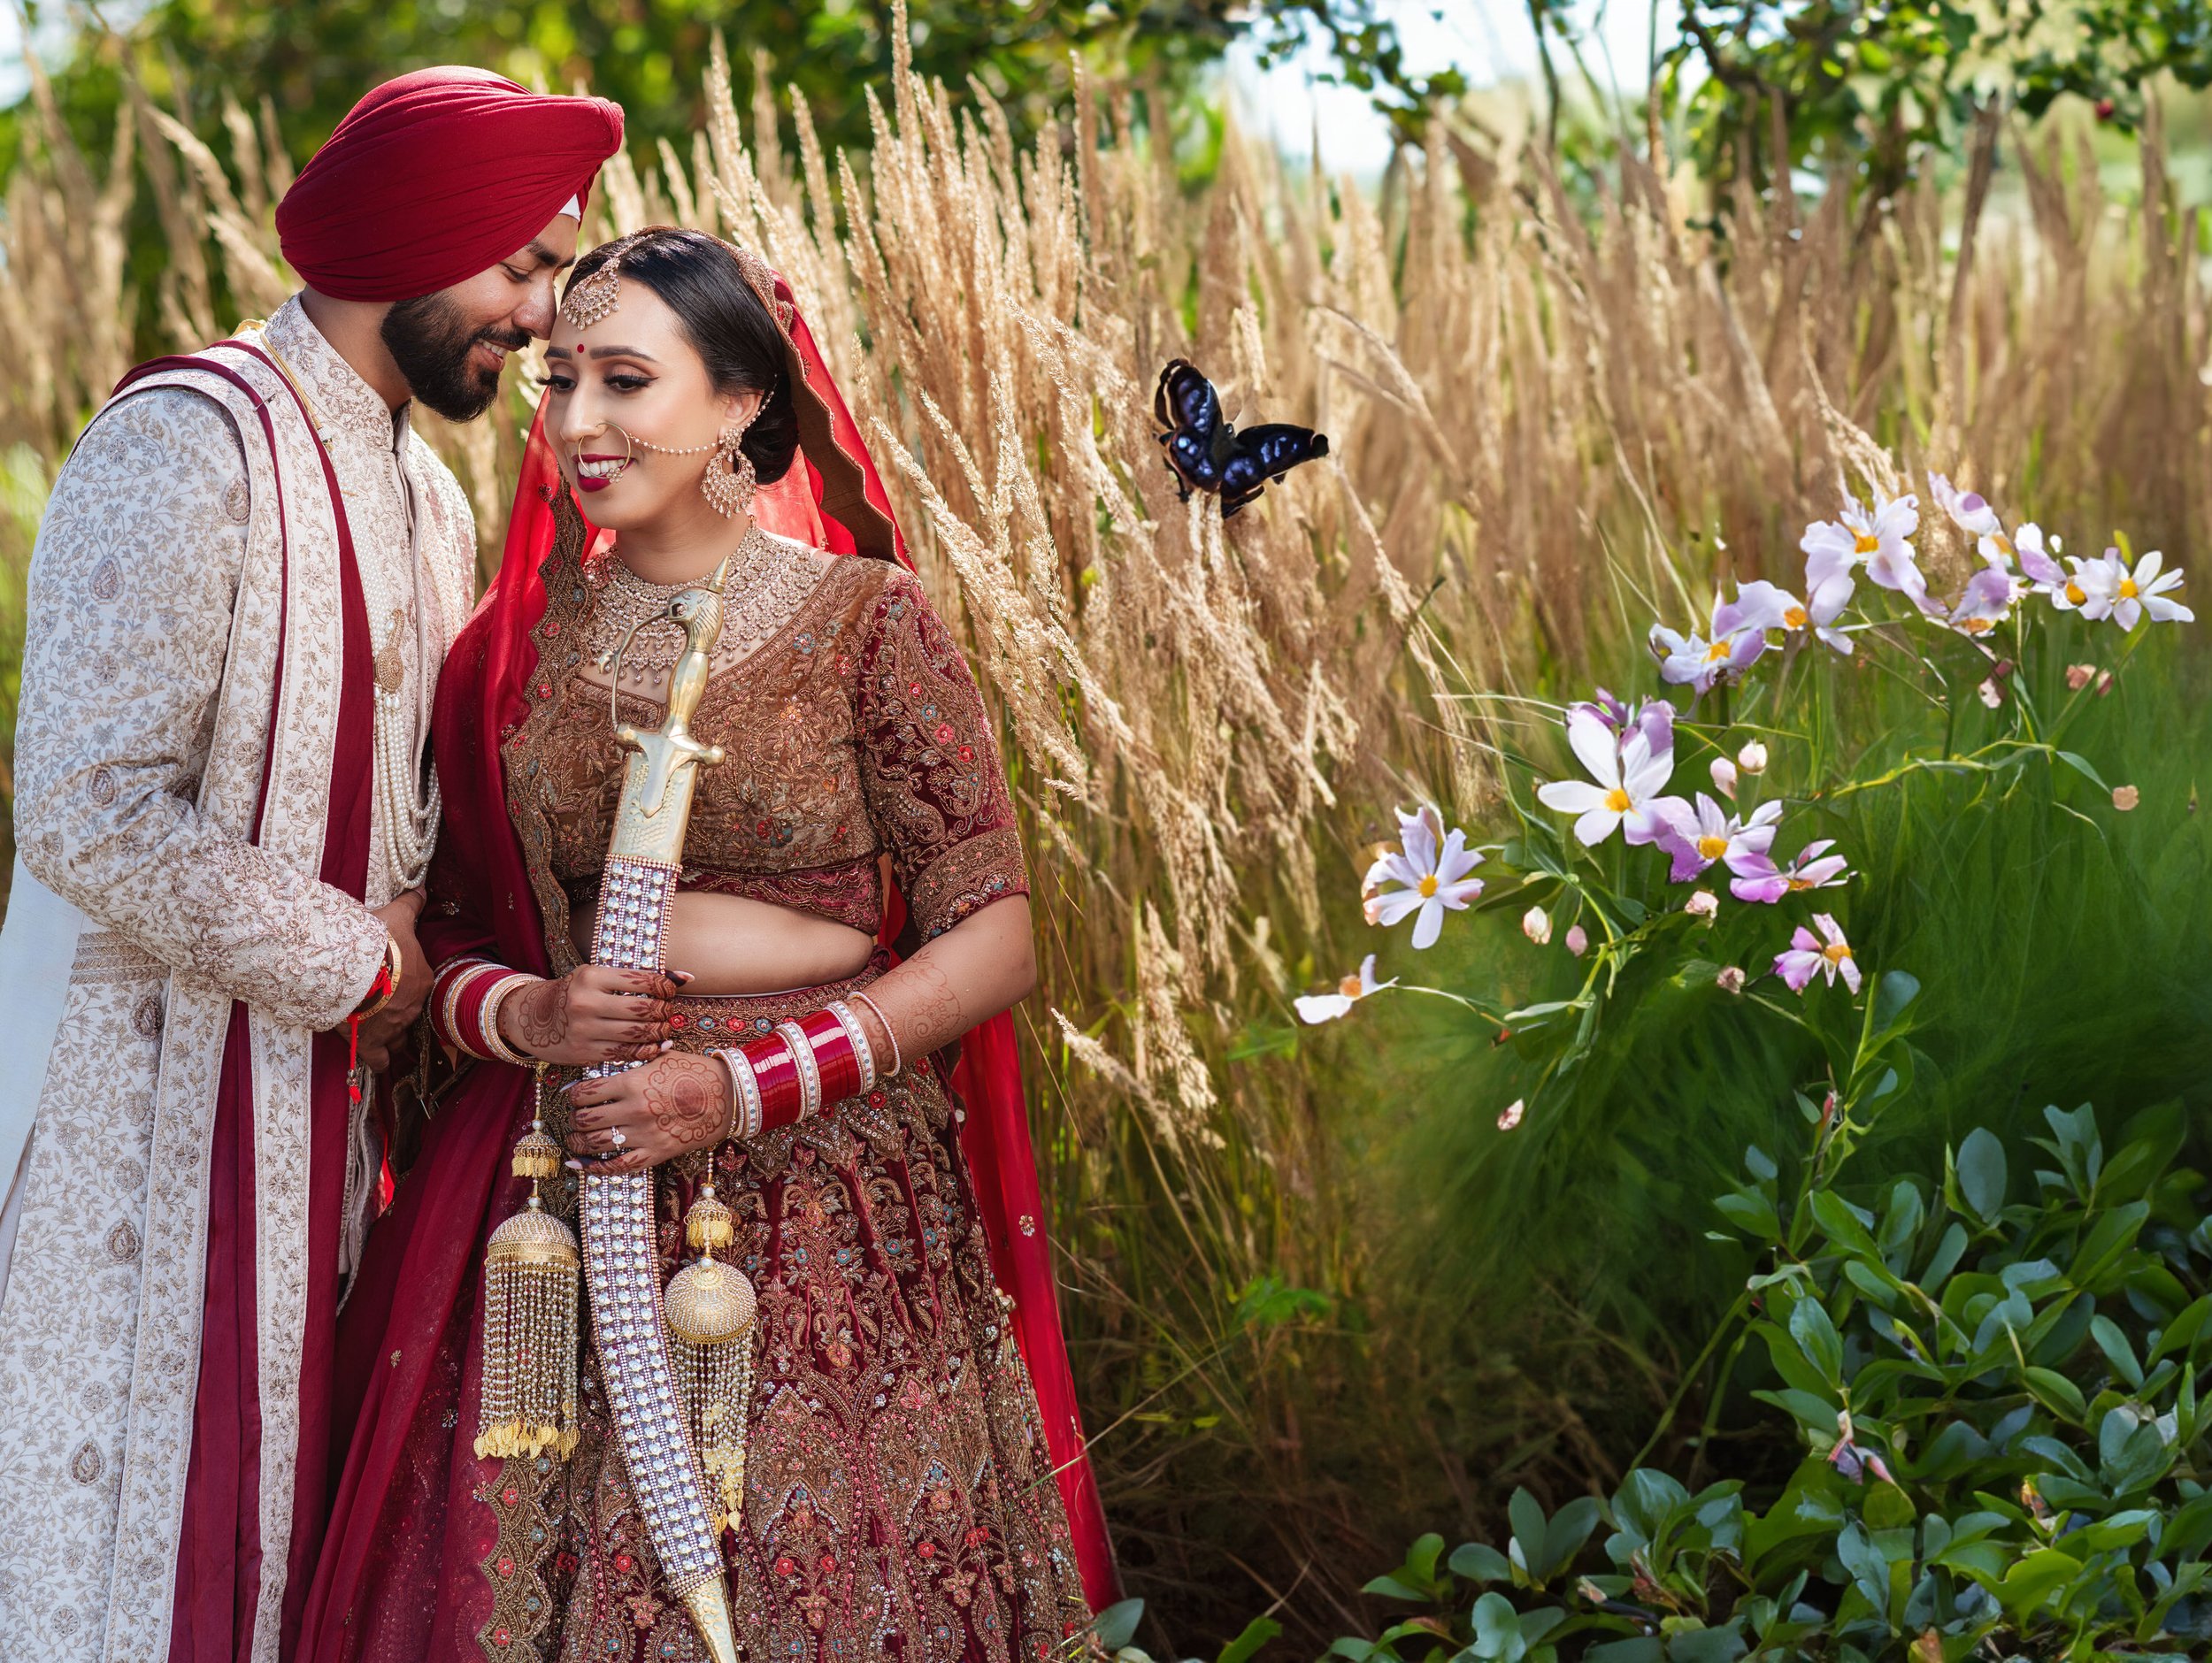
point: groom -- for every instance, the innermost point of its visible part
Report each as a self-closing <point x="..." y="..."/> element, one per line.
<point x="247" y="578"/>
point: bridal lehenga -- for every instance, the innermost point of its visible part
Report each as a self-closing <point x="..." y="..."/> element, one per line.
<point x="914" y="1483"/>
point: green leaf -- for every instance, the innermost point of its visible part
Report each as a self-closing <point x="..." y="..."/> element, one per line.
<point x="1569" y="1529"/>
<point x="1480" y="1563"/>
<point x="1498" y="1631"/>
<point x="1981" y="1174"/>
<point x="1527" y="1516"/>
<point x="2032" y="1581"/>
<point x="1835" y="1217"/>
<point x="1117" y="1625"/>
<point x="2118" y="1352"/>
<point x="2080" y="765"/>
<point x="1256" y="1634"/>
<point x="2110" y="1237"/>
<point x="2055" y="1391"/>
<point x="1810" y="1328"/>
<point x="1896" y="990"/>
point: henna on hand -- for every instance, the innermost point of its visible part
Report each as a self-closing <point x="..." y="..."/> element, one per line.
<point x="541" y="1015"/>
<point x="688" y="1098"/>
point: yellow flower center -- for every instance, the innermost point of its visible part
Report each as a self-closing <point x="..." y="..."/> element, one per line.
<point x="1616" y="800"/>
<point x="2128" y="590"/>
<point x="1977" y="626"/>
<point x="1795" y="619"/>
<point x="1865" y="543"/>
<point x="1428" y="884"/>
<point x="1835" y="953"/>
<point x="1797" y="883"/>
<point x="1717" y="651"/>
<point x="1712" y="849"/>
<point x="1348" y="987"/>
<point x="2074" y="592"/>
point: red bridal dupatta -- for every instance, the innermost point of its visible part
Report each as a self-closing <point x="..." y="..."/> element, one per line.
<point x="402" y="1577"/>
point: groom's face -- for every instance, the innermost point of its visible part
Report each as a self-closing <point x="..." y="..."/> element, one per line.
<point x="452" y="345"/>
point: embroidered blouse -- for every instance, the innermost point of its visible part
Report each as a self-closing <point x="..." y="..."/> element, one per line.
<point x="854" y="732"/>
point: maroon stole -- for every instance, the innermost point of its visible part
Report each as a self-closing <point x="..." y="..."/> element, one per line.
<point x="220" y="1555"/>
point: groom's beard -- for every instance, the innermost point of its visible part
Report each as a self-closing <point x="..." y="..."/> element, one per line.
<point x="431" y="342"/>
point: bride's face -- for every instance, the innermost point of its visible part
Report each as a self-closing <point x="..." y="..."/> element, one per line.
<point x="635" y="372"/>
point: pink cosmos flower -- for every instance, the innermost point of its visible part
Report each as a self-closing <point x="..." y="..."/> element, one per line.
<point x="1430" y="875"/>
<point x="1968" y="510"/>
<point x="1876" y="539"/>
<point x="1986" y="603"/>
<point x="1626" y="775"/>
<point x="1697" y="840"/>
<point x="2125" y="597"/>
<point x="1808" y="956"/>
<point x="1732" y="641"/>
<point x="1319" y="1007"/>
<point x="1813" y="869"/>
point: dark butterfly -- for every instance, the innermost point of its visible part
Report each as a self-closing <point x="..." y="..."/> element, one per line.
<point x="1206" y="453"/>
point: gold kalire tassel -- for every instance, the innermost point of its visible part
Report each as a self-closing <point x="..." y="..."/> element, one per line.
<point x="531" y="1271"/>
<point x="711" y="1308"/>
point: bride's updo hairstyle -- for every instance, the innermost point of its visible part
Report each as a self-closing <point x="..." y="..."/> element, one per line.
<point x="697" y="277"/>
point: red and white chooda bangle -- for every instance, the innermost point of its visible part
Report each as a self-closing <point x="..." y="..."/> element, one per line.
<point x="822" y="1058"/>
<point x="465" y="1000"/>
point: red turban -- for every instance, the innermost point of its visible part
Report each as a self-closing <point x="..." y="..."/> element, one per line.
<point x="437" y="176"/>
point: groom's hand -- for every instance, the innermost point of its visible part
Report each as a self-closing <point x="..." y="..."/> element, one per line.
<point x="381" y="1032"/>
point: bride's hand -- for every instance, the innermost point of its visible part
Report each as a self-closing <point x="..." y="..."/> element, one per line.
<point x="592" y="1015"/>
<point x="674" y="1104"/>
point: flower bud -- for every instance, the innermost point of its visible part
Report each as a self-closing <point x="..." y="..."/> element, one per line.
<point x="1730" y="979"/>
<point x="1578" y="940"/>
<point x="1536" y="926"/>
<point x="2078" y="677"/>
<point x="1511" y="1118"/>
<point x="2125" y="797"/>
<point x="1753" y="758"/>
<point x="1724" y="773"/>
<point x="1703" y="904"/>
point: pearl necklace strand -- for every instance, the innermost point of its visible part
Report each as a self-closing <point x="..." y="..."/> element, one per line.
<point x="406" y="816"/>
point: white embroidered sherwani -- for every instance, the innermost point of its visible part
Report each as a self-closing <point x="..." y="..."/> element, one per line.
<point x="183" y="685"/>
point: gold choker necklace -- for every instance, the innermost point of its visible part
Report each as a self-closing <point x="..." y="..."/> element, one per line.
<point x="769" y="580"/>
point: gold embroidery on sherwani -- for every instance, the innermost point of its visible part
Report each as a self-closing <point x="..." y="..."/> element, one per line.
<point x="158" y="600"/>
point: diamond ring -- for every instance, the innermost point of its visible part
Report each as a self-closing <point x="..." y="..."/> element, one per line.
<point x="617" y="1138"/>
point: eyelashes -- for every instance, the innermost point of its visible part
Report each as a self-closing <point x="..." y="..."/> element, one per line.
<point x="620" y="383"/>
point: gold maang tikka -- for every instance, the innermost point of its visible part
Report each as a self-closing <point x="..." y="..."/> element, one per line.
<point x="593" y="296"/>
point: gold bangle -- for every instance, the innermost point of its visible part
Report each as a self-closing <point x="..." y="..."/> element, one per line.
<point x="373" y="1001"/>
<point x="898" y="1059"/>
<point x="494" y="1041"/>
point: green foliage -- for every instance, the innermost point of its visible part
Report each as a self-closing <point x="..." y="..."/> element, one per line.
<point x="313" y="60"/>
<point x="1872" y="89"/>
<point x="2002" y="1449"/>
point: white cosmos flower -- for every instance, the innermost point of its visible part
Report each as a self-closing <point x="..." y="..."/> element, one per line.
<point x="1429" y="873"/>
<point x="2110" y="590"/>
<point x="1626" y="777"/>
<point x="1319" y="1007"/>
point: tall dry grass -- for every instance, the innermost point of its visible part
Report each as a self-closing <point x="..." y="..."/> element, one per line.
<point x="1532" y="393"/>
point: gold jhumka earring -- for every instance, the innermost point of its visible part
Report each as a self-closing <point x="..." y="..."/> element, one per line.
<point x="711" y="1308"/>
<point x="730" y="483"/>
<point x="531" y="1269"/>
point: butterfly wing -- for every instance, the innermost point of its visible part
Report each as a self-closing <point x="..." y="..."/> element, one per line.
<point x="1264" y="453"/>
<point x="1189" y="410"/>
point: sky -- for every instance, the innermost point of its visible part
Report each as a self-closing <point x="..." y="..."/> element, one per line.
<point x="1490" y="40"/>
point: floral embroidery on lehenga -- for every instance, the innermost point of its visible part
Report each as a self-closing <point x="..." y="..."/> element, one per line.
<point x="900" y="1501"/>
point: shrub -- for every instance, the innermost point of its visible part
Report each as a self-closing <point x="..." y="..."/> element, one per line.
<point x="2004" y="1448"/>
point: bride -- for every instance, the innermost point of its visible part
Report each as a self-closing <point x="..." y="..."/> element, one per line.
<point x="905" y="1487"/>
